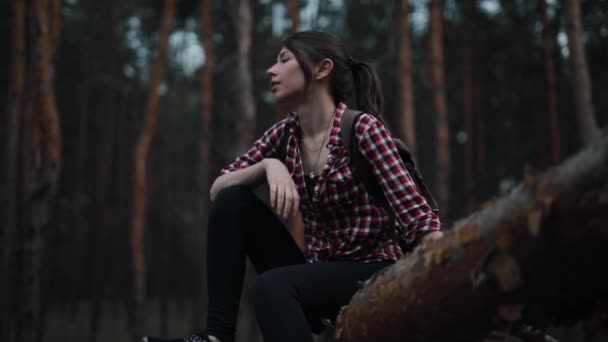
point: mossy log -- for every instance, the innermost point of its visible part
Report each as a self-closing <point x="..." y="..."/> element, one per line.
<point x="545" y="245"/>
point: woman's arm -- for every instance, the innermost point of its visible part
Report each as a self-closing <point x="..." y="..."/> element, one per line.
<point x="249" y="168"/>
<point x="411" y="209"/>
<point x="253" y="176"/>
<point x="260" y="165"/>
<point x="284" y="198"/>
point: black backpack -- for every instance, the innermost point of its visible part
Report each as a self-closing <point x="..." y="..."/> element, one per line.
<point x="347" y="127"/>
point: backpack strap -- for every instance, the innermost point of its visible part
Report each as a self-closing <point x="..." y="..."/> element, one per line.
<point x="361" y="166"/>
<point x="406" y="156"/>
<point x="347" y="127"/>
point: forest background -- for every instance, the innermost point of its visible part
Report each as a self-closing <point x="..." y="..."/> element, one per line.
<point x="117" y="115"/>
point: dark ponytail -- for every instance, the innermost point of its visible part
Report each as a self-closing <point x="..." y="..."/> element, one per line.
<point x="368" y="91"/>
<point x="349" y="77"/>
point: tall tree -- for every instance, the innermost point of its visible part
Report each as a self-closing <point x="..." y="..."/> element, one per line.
<point x="45" y="168"/>
<point x="8" y="232"/>
<point x="407" y="119"/>
<point x="55" y="24"/>
<point x="241" y="18"/>
<point x="587" y="124"/>
<point x="140" y="159"/>
<point x="206" y="139"/>
<point x="549" y="49"/>
<point x="468" y="99"/>
<point x="293" y="9"/>
<point x="439" y="105"/>
<point x="100" y="238"/>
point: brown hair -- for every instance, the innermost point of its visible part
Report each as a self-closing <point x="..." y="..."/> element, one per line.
<point x="349" y="76"/>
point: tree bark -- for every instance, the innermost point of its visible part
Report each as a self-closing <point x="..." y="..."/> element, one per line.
<point x="443" y="163"/>
<point x="514" y="251"/>
<point x="101" y="237"/>
<point x="468" y="98"/>
<point x="480" y="136"/>
<point x="50" y="136"/>
<point x="241" y="17"/>
<point x="585" y="115"/>
<point x="46" y="168"/>
<point x="554" y="140"/>
<point x="55" y="25"/>
<point x="140" y="159"/>
<point x="293" y="9"/>
<point x="407" y="119"/>
<point x="205" y="159"/>
<point x="14" y="110"/>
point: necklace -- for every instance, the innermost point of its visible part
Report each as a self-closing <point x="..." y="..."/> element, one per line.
<point x="312" y="171"/>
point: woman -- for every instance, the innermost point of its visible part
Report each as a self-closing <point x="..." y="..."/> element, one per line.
<point x="348" y="235"/>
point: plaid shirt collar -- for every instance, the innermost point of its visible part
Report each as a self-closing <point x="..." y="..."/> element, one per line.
<point x="293" y="121"/>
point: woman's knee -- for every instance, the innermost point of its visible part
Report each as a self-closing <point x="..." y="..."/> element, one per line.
<point x="233" y="199"/>
<point x="272" y="286"/>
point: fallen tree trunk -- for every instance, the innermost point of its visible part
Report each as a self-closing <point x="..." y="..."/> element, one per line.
<point x="544" y="245"/>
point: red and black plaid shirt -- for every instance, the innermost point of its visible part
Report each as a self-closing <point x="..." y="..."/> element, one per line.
<point x="342" y="220"/>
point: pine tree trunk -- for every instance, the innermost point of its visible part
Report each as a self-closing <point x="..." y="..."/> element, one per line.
<point x="101" y="245"/>
<point x="55" y="25"/>
<point x="516" y="250"/>
<point x="50" y="136"/>
<point x="140" y="158"/>
<point x="102" y="235"/>
<point x="480" y="136"/>
<point x="468" y="98"/>
<point x="79" y="191"/>
<point x="242" y="22"/>
<point x="293" y="9"/>
<point x="407" y="119"/>
<point x="551" y="83"/>
<point x="443" y="166"/>
<point x="40" y="198"/>
<point x="241" y="17"/>
<point x="9" y="226"/>
<point x="205" y="159"/>
<point x="585" y="115"/>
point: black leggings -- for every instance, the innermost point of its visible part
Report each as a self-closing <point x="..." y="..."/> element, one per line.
<point x="291" y="296"/>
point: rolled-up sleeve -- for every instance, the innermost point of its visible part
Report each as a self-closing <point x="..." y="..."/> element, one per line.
<point x="265" y="147"/>
<point x="415" y="216"/>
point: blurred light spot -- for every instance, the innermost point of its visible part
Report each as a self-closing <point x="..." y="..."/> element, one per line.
<point x="462" y="137"/>
<point x="492" y="7"/>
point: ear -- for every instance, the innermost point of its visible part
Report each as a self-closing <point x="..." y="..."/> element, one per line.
<point x="324" y="68"/>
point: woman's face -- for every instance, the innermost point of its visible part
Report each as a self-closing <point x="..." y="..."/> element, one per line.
<point x="286" y="77"/>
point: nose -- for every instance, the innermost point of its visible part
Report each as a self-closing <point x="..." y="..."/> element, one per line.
<point x="271" y="72"/>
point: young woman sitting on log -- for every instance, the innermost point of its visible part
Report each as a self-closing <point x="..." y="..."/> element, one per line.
<point x="348" y="234"/>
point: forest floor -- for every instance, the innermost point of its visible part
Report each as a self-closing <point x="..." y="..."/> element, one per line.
<point x="73" y="323"/>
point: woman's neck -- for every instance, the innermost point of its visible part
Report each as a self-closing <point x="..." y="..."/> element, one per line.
<point x="315" y="113"/>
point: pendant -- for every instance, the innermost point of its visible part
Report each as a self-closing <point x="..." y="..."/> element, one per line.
<point x="311" y="174"/>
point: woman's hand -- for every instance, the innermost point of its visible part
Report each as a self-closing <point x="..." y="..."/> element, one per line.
<point x="284" y="197"/>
